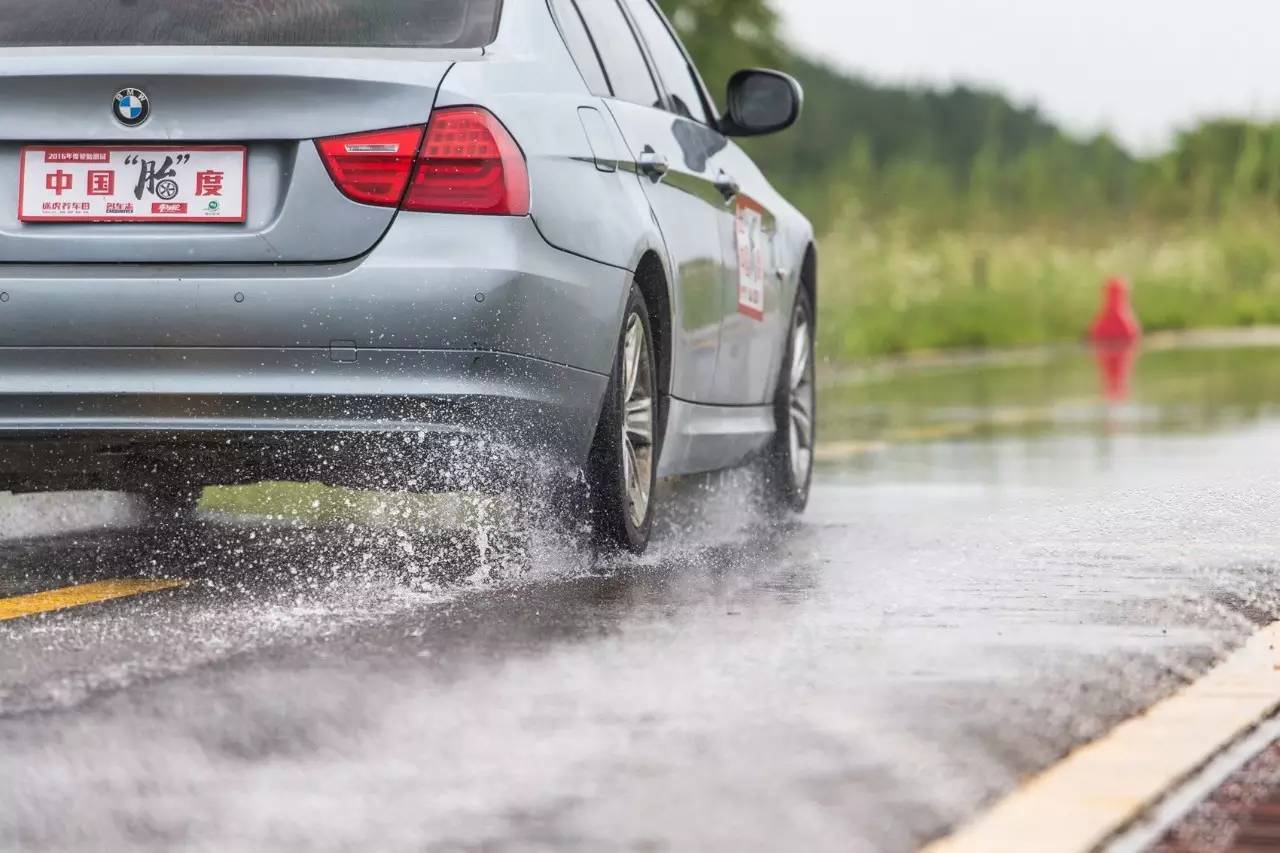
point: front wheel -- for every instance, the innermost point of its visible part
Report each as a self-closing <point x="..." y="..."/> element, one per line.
<point x="623" y="469"/>
<point x="788" y="463"/>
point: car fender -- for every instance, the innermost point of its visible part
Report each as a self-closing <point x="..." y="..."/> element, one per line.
<point x="578" y="205"/>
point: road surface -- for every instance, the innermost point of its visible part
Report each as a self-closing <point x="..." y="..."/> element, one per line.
<point x="998" y="567"/>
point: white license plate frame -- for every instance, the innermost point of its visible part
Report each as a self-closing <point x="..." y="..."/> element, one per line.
<point x="210" y="184"/>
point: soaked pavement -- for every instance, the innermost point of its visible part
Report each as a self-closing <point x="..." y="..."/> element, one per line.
<point x="1000" y="564"/>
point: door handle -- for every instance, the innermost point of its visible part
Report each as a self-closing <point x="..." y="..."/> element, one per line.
<point x="729" y="188"/>
<point x="653" y="164"/>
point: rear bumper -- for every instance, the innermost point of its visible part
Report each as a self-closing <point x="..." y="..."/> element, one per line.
<point x="434" y="283"/>
<point x="452" y="327"/>
<point x="105" y="418"/>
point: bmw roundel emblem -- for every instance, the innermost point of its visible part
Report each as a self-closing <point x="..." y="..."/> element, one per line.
<point x="132" y="107"/>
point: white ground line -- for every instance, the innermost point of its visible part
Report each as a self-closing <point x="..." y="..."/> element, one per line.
<point x="1083" y="801"/>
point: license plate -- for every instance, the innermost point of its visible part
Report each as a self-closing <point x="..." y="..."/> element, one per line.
<point x="110" y="183"/>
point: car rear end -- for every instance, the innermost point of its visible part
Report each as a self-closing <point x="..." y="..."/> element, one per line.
<point x="245" y="225"/>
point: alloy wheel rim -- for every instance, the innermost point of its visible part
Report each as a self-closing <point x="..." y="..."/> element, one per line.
<point x="637" y="422"/>
<point x="802" y="403"/>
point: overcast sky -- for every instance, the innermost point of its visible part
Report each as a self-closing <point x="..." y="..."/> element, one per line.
<point x="1140" y="67"/>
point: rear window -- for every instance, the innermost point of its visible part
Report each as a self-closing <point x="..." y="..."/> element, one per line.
<point x="251" y="23"/>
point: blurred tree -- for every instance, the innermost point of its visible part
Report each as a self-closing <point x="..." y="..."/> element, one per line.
<point x="944" y="157"/>
<point x="726" y="35"/>
<point x="1249" y="178"/>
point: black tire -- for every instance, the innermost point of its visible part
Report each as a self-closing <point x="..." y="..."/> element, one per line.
<point x="788" y="462"/>
<point x="618" y="523"/>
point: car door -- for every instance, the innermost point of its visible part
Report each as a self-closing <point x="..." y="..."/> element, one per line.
<point x="756" y="321"/>
<point x="749" y="314"/>
<point x="673" y="149"/>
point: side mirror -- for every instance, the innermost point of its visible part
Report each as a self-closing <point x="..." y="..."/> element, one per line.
<point x="761" y="102"/>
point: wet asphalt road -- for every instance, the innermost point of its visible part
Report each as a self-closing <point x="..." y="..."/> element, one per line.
<point x="997" y="566"/>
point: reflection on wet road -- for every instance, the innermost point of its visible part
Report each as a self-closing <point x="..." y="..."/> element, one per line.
<point x="957" y="610"/>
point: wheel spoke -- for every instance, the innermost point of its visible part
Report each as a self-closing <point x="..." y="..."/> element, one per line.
<point x="635" y="489"/>
<point x="638" y="415"/>
<point x="642" y="491"/>
<point x="802" y="426"/>
<point x="803" y="460"/>
<point x="801" y="389"/>
<point x="634" y="352"/>
<point x="801" y="401"/>
<point x="640" y="467"/>
<point x="800" y="356"/>
<point x="628" y="464"/>
<point x="640" y="421"/>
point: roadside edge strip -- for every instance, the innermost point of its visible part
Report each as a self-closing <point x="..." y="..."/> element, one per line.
<point x="1102" y="788"/>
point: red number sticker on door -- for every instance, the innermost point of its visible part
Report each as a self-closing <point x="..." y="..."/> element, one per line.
<point x="752" y="258"/>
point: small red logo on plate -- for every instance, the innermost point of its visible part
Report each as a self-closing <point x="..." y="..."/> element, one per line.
<point x="162" y="207"/>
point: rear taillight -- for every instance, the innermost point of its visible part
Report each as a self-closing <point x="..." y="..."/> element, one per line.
<point x="372" y="168"/>
<point x="468" y="163"/>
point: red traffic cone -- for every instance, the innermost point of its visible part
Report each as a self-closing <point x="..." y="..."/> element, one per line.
<point x="1117" y="324"/>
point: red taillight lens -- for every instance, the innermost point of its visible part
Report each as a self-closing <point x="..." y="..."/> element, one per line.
<point x="469" y="164"/>
<point x="372" y="168"/>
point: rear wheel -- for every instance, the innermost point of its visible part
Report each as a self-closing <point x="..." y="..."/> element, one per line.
<point x="788" y="463"/>
<point x="624" y="459"/>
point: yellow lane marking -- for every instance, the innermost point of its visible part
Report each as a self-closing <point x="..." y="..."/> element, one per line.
<point x="78" y="596"/>
<point x="1101" y="788"/>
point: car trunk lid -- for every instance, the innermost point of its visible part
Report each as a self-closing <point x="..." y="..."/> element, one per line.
<point x="273" y="101"/>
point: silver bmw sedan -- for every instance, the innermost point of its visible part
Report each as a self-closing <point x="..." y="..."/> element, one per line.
<point x="234" y="230"/>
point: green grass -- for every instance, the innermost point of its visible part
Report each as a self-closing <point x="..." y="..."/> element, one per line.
<point x="313" y="504"/>
<point x="889" y="289"/>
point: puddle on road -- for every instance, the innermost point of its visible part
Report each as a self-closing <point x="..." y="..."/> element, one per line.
<point x="293" y="579"/>
<point x="312" y="542"/>
<point x="1175" y="390"/>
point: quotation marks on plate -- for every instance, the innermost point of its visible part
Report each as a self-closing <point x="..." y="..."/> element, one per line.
<point x="180" y="160"/>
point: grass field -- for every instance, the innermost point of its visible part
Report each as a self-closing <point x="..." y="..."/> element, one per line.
<point x="888" y="290"/>
<point x="316" y="505"/>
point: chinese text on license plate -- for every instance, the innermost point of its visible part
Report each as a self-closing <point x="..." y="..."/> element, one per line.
<point x="133" y="184"/>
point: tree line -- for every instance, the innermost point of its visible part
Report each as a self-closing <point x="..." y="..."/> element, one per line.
<point x="963" y="156"/>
